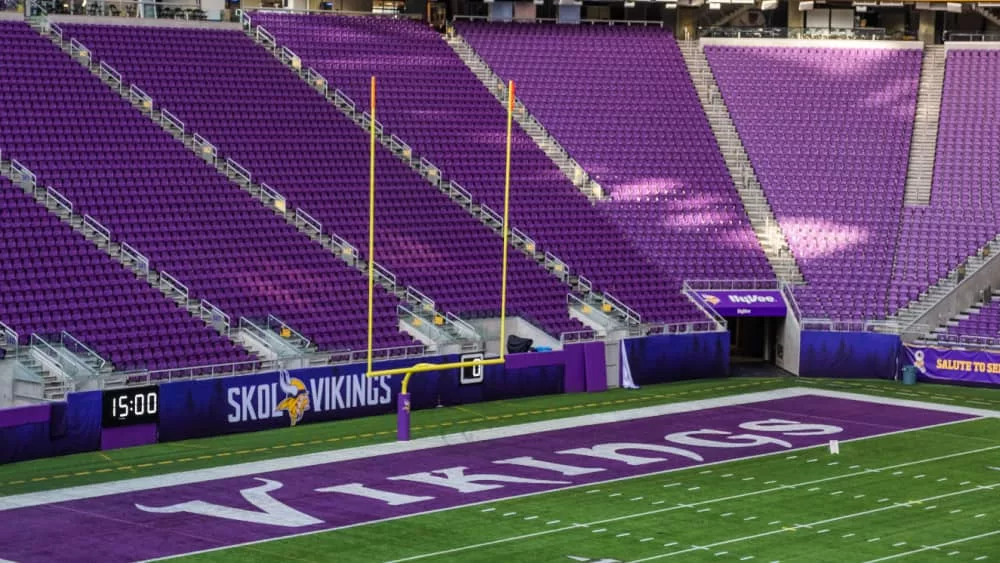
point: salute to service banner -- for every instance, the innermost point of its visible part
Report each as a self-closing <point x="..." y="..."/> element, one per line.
<point x="965" y="366"/>
<point x="747" y="303"/>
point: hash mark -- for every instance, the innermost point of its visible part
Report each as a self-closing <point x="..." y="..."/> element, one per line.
<point x="705" y="472"/>
<point x="748" y="478"/>
<point x="591" y="491"/>
<point x="749" y="518"/>
<point x="599" y="530"/>
<point x="491" y="509"/>
<point x="659" y="502"/>
<point x="531" y="518"/>
<point x="694" y="488"/>
<point x="823" y="531"/>
<point x="965" y="482"/>
<point x="954" y="552"/>
<point x="859" y="496"/>
<point x="873" y="540"/>
<point x="814" y="489"/>
<point x="727" y="475"/>
<point x="899" y="544"/>
<point x="775" y="523"/>
<point x="727" y="514"/>
<point x="636" y="498"/>
<point x="850" y="535"/>
<point x="552" y="522"/>
<point x="644" y="540"/>
<point x="673" y="543"/>
<point x="956" y="511"/>
<point x="509" y="513"/>
<point x="769" y="482"/>
<point x="623" y="534"/>
<point x="979" y="515"/>
<point x="613" y="495"/>
<point x="705" y="510"/>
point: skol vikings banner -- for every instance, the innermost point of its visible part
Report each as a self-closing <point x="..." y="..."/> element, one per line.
<point x="192" y="409"/>
<point x="964" y="366"/>
<point x="749" y="303"/>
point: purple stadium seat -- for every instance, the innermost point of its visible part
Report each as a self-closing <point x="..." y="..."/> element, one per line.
<point x="436" y="104"/>
<point x="831" y="158"/>
<point x="289" y="137"/>
<point x="639" y="130"/>
<point x="54" y="280"/>
<point x="116" y="165"/>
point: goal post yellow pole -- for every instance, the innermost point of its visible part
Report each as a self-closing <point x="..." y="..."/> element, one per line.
<point x="506" y="222"/>
<point x="371" y="225"/>
<point x="403" y="404"/>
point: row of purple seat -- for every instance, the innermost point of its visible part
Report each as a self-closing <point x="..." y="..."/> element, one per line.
<point x="179" y="211"/>
<point x="320" y="165"/>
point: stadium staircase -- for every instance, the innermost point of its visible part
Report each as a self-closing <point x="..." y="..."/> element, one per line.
<point x="440" y="331"/>
<point x="920" y="172"/>
<point x="768" y="231"/>
<point x="545" y="141"/>
<point x="601" y="312"/>
<point x="991" y="14"/>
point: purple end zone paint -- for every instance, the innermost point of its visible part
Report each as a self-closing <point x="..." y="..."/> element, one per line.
<point x="403" y="417"/>
<point x="112" y="528"/>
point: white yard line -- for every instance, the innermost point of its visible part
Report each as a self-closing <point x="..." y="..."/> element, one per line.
<point x="826" y="521"/>
<point x="934" y="547"/>
<point x="688" y="505"/>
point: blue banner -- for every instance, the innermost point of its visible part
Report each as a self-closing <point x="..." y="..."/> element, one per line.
<point x="673" y="357"/>
<point x="72" y="427"/>
<point x="192" y="409"/>
<point x="849" y="354"/>
<point x="977" y="367"/>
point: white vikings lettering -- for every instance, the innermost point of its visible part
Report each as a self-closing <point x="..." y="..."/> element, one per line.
<point x="568" y="470"/>
<point x="234" y="405"/>
<point x="247" y="404"/>
<point x="687" y="439"/>
<point x="790" y="427"/>
<point x="270" y="511"/>
<point x="611" y="451"/>
<point x="317" y="394"/>
<point x="264" y="403"/>
<point x="455" y="478"/>
<point x="390" y="498"/>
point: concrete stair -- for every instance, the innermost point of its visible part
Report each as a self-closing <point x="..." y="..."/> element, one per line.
<point x="769" y="232"/>
<point x="923" y="143"/>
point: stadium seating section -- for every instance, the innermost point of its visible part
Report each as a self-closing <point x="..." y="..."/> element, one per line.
<point x="437" y="105"/>
<point x="55" y="280"/>
<point x="965" y="202"/>
<point x="289" y="137"/>
<point x="833" y="173"/>
<point x="831" y="158"/>
<point x="116" y="165"/>
<point x="640" y="131"/>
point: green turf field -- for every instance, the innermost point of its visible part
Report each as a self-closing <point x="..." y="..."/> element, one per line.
<point x="926" y="495"/>
<point x="923" y="495"/>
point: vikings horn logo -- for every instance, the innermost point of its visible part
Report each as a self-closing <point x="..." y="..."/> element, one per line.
<point x="296" y="401"/>
<point x="712" y="300"/>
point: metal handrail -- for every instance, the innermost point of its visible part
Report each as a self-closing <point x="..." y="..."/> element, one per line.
<point x="235" y="168"/>
<point x="833" y="325"/>
<point x="435" y="333"/>
<point x="786" y="290"/>
<point x="141" y="261"/>
<point x="52" y="196"/>
<point x="578" y="336"/>
<point x="416" y="295"/>
<point x="738" y="284"/>
<point x="277" y="200"/>
<point x="466" y="329"/>
<point x="66" y="336"/>
<point x="50" y="351"/>
<point x="22" y="172"/>
<point x="207" y="309"/>
<point x="173" y="284"/>
<point x="964" y="36"/>
<point x="172" y="120"/>
<point x="304" y="219"/>
<point x="705" y="308"/>
<point x="273" y="321"/>
<point x="107" y="71"/>
<point x="10" y="337"/>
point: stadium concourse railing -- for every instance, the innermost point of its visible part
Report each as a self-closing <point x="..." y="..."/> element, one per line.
<point x="627" y="23"/>
<point x="873" y="33"/>
<point x="976" y="37"/>
<point x="960" y="341"/>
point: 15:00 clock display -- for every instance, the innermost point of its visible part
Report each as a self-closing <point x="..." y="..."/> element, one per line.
<point x="123" y="407"/>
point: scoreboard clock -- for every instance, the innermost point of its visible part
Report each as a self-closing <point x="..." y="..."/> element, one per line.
<point x="125" y="407"/>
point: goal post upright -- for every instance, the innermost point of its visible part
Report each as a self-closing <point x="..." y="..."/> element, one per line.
<point x="403" y="403"/>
